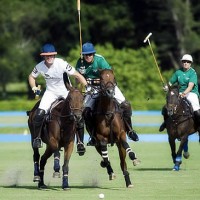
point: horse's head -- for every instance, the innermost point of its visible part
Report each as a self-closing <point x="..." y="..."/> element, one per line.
<point x="75" y="100"/>
<point x="107" y="82"/>
<point x="173" y="100"/>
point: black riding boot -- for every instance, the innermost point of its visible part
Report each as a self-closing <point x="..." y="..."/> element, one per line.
<point x="165" y="116"/>
<point x="80" y="138"/>
<point x="87" y="114"/>
<point x="127" y="113"/>
<point x="37" y="123"/>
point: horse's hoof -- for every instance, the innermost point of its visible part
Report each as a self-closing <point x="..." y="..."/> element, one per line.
<point x="42" y="186"/>
<point x="56" y="175"/>
<point x="136" y="162"/>
<point x="186" y="155"/>
<point x="36" y="178"/>
<point x="112" y="176"/>
<point x="103" y="164"/>
<point x="66" y="189"/>
<point x="81" y="149"/>
<point x="176" y="168"/>
<point x="130" y="186"/>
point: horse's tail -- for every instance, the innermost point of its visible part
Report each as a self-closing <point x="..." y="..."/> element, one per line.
<point x="199" y="137"/>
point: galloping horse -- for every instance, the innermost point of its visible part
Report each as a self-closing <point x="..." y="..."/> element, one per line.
<point x="110" y="127"/>
<point x="58" y="131"/>
<point x="180" y="124"/>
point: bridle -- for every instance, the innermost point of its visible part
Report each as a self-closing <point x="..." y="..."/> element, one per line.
<point x="173" y="102"/>
<point x="74" y="113"/>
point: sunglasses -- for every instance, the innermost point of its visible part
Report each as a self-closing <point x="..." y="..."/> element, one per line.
<point x="186" y="61"/>
<point x="90" y="54"/>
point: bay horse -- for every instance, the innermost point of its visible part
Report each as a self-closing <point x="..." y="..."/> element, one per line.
<point x="58" y="131"/>
<point x="109" y="127"/>
<point x="180" y="123"/>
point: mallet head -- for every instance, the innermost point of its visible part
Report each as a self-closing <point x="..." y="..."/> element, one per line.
<point x="148" y="36"/>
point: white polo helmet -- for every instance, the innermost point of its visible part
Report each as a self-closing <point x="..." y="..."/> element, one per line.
<point x="187" y="57"/>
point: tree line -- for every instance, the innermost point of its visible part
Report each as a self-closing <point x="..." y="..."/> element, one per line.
<point x="117" y="29"/>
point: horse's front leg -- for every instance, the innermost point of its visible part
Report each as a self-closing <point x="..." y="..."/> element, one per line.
<point x="173" y="148"/>
<point x="128" y="150"/>
<point x="36" y="158"/>
<point x="68" y="149"/>
<point x="179" y="154"/>
<point x="56" y="166"/>
<point x="105" y="163"/>
<point x="186" y="154"/>
<point x="122" y="155"/>
<point x="47" y="154"/>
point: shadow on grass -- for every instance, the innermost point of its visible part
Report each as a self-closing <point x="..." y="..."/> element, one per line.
<point x="57" y="188"/>
<point x="154" y="169"/>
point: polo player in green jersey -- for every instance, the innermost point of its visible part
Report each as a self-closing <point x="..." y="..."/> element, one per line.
<point x="186" y="78"/>
<point x="89" y="67"/>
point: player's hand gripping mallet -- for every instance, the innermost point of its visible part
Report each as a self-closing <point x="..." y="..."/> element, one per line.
<point x="145" y="40"/>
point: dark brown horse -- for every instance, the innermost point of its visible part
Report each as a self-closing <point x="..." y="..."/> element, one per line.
<point x="58" y="131"/>
<point x="110" y="127"/>
<point x="180" y="124"/>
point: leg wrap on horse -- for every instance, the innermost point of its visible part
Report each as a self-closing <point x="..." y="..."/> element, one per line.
<point x="104" y="154"/>
<point x="127" y="113"/>
<point x="38" y="122"/>
<point x="56" y="161"/>
<point x="129" y="151"/>
<point x="165" y="116"/>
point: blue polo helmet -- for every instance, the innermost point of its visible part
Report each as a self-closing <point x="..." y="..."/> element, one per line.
<point x="88" y="48"/>
<point x="48" y="49"/>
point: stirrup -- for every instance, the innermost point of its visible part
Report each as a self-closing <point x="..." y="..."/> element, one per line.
<point x="37" y="143"/>
<point x="133" y="135"/>
<point x="81" y="149"/>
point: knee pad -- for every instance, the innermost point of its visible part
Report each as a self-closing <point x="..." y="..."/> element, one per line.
<point x="39" y="115"/>
<point x="126" y="108"/>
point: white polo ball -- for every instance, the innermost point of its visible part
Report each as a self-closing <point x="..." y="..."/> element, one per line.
<point x="101" y="196"/>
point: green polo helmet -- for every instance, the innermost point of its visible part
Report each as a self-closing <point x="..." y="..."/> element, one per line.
<point x="88" y="48"/>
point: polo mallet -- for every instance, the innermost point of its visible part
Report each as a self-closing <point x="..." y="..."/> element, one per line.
<point x="79" y="23"/>
<point x="145" y="40"/>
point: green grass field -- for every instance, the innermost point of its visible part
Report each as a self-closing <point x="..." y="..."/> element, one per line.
<point x="152" y="179"/>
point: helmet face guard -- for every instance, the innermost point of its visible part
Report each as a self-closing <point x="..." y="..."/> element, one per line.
<point x="48" y="50"/>
<point x="88" y="48"/>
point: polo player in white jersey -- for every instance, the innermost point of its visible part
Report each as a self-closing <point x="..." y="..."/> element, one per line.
<point x="52" y="69"/>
